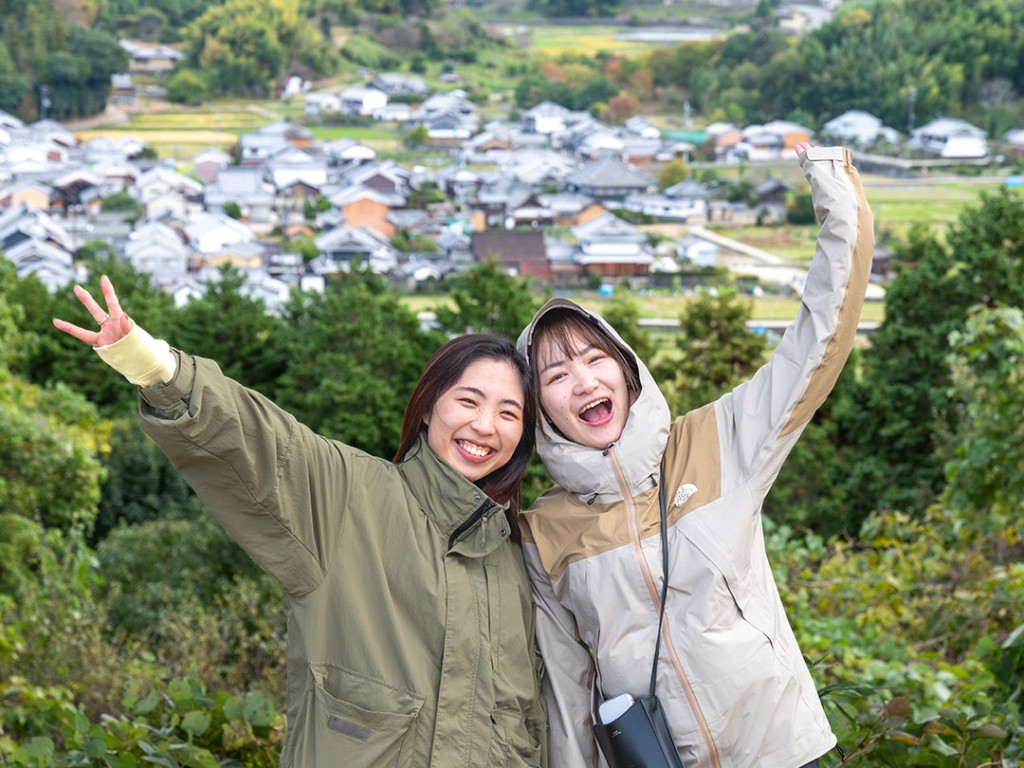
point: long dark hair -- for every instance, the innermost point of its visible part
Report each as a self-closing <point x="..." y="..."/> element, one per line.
<point x="441" y="374"/>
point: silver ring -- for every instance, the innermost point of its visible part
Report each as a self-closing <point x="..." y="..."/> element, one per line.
<point x="105" y="318"/>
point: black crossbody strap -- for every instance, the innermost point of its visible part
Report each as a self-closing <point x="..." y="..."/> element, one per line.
<point x="664" y="583"/>
<point x="661" y="613"/>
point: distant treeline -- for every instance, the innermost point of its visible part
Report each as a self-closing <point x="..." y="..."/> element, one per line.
<point x="905" y="61"/>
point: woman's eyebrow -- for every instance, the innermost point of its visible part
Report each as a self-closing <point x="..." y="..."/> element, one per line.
<point x="578" y="353"/>
<point x="479" y="393"/>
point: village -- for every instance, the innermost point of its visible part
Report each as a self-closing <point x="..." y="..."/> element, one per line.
<point x="541" y="194"/>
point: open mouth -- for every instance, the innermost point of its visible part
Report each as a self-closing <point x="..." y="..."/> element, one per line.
<point x="597" y="412"/>
<point x="474" y="451"/>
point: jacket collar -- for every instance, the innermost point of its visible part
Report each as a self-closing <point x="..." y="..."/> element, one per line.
<point x="639" y="450"/>
<point x="472" y="523"/>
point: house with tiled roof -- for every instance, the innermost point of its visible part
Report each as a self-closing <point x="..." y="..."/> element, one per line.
<point x="490" y="205"/>
<point x="36" y="244"/>
<point x="520" y="251"/>
<point x="1014" y="141"/>
<point x="207" y="164"/>
<point x="211" y="232"/>
<point x="361" y="100"/>
<point x="289" y="165"/>
<point x="387" y="177"/>
<point x="949" y="137"/>
<point x="395" y="84"/>
<point x="857" y="128"/>
<point x="609" y="180"/>
<point x="341" y="246"/>
<point x="539" y="167"/>
<point x="569" y="209"/>
<point x="33" y="195"/>
<point x="146" y="59"/>
<point x="363" y="206"/>
<point x="547" y="118"/>
<point x="346" y="152"/>
<point x="158" y="250"/>
<point x="162" y="189"/>
<point x="246" y="188"/>
<point x="612" y="247"/>
<point x="247" y="255"/>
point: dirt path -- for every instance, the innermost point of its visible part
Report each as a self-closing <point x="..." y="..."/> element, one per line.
<point x="112" y="115"/>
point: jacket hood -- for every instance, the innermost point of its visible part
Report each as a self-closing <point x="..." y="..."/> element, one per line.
<point x="583" y="470"/>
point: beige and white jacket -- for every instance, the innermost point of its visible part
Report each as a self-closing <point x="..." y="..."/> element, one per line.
<point x="733" y="681"/>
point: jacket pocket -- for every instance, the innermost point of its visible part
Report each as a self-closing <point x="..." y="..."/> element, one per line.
<point x="512" y="744"/>
<point x="354" y="721"/>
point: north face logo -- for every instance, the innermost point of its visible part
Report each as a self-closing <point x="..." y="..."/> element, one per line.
<point x="683" y="494"/>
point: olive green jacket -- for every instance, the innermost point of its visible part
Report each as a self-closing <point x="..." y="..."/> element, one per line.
<point x="410" y="636"/>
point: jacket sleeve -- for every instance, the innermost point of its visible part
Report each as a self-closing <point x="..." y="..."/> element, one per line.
<point x="568" y="671"/>
<point x="761" y="419"/>
<point x="276" y="487"/>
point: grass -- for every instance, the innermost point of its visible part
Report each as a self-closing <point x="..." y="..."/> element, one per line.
<point x="795" y="244"/>
<point x="897" y="207"/>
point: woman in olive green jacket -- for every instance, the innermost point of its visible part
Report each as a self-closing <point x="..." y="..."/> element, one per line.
<point x="410" y="635"/>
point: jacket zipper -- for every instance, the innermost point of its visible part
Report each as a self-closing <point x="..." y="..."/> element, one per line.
<point x="652" y="589"/>
<point x="469" y="522"/>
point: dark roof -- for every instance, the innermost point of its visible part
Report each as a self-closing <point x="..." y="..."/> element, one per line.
<point x="520" y="248"/>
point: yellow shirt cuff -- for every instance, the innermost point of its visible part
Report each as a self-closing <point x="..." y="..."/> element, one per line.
<point x="140" y="358"/>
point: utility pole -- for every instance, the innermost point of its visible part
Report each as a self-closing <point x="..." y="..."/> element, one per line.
<point x="44" y="101"/>
<point x="911" y="98"/>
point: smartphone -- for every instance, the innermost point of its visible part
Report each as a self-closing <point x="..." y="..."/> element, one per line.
<point x="614" y="708"/>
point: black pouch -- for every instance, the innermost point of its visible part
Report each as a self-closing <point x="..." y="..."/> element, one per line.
<point x="638" y="738"/>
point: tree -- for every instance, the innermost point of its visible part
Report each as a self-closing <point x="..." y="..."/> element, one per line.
<point x="226" y="325"/>
<point x="187" y="86"/>
<point x="122" y="201"/>
<point x="488" y="300"/>
<point x="900" y="425"/>
<point x="49" y="476"/>
<point x="355" y="353"/>
<point x="140" y="484"/>
<point x="672" y="173"/>
<point x="716" y="351"/>
<point x="417" y="137"/>
<point x="623" y="313"/>
<point x="56" y="357"/>
<point x="986" y="473"/>
<point x="239" y="45"/>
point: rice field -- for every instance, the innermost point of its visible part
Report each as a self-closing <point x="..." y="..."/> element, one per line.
<point x="552" y="40"/>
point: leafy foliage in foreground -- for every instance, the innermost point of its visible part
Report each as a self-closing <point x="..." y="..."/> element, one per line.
<point x="914" y="627"/>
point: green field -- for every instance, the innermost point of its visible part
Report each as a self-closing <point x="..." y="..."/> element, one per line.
<point x="661" y="306"/>
<point x="898" y="206"/>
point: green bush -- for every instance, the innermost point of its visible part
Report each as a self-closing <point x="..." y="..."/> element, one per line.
<point x="187" y="87"/>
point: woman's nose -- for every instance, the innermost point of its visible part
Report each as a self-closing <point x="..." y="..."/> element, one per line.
<point x="484" y="422"/>
<point x="585" y="381"/>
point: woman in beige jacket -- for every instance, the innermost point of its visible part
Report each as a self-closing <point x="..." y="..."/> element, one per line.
<point x="731" y="677"/>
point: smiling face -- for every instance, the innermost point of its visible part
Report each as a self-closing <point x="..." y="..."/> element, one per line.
<point x="583" y="392"/>
<point x="476" y="425"/>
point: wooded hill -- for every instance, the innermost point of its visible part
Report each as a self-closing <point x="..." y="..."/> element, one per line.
<point x="906" y="61"/>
